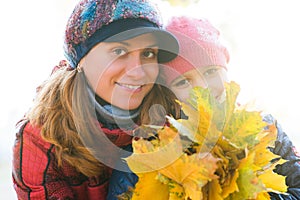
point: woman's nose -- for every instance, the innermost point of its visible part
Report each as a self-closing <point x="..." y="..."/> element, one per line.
<point x="134" y="65"/>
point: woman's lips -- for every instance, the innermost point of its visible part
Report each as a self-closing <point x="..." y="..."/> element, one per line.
<point x="130" y="87"/>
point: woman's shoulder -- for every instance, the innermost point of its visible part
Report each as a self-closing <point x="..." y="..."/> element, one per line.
<point x="30" y="135"/>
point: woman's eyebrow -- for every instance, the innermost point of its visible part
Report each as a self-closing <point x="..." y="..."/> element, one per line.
<point x="124" y="43"/>
<point x="128" y="44"/>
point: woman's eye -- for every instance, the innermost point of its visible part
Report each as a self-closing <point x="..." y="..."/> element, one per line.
<point x="119" y="51"/>
<point x="149" y="53"/>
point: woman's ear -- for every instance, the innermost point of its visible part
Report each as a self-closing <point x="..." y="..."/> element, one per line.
<point x="80" y="65"/>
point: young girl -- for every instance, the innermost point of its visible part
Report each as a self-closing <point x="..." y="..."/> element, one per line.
<point x="70" y="139"/>
<point x="202" y="61"/>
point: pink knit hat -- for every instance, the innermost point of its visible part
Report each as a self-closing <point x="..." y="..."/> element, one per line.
<point x="199" y="46"/>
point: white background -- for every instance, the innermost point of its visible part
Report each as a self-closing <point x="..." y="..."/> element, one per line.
<point x="263" y="37"/>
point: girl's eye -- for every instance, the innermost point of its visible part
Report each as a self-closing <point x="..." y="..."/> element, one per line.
<point x="210" y="71"/>
<point x="149" y="53"/>
<point x="181" y="83"/>
<point x="119" y="51"/>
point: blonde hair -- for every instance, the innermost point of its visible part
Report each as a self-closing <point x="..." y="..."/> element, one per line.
<point x="62" y="109"/>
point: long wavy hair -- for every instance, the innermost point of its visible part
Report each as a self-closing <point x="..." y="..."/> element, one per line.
<point x="65" y="114"/>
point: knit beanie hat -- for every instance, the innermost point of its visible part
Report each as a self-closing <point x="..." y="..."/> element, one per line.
<point x="199" y="46"/>
<point x="94" y="21"/>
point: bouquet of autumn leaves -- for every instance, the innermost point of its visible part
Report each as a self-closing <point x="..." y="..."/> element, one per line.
<point x="219" y="152"/>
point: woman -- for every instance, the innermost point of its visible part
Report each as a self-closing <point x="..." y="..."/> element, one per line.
<point x="84" y="114"/>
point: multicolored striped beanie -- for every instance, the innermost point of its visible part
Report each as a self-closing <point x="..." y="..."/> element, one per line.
<point x="94" y="21"/>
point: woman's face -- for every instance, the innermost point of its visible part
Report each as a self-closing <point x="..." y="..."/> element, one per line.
<point x="123" y="73"/>
<point x="212" y="77"/>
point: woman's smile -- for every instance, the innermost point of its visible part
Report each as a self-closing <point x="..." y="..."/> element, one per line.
<point x="129" y="87"/>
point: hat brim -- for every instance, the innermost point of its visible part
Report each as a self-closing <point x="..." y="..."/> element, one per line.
<point x="167" y="42"/>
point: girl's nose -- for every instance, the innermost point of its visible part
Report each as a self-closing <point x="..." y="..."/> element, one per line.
<point x="201" y="81"/>
<point x="217" y="87"/>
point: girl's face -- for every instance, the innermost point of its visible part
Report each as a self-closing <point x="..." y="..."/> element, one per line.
<point x="212" y="77"/>
<point x="123" y="73"/>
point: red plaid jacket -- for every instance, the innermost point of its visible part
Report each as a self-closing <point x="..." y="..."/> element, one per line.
<point x="37" y="176"/>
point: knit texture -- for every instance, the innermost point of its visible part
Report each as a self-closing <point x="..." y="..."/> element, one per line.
<point x="200" y="46"/>
<point x="91" y="16"/>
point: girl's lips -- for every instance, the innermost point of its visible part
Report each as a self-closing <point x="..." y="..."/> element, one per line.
<point x="222" y="97"/>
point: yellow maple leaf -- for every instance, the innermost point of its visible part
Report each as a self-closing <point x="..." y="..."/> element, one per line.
<point x="200" y="127"/>
<point x="272" y="180"/>
<point x="214" y="190"/>
<point x="232" y="186"/>
<point x="176" y="191"/>
<point x="266" y="139"/>
<point x="263" y="196"/>
<point x="147" y="157"/>
<point x="192" y="172"/>
<point x="232" y="90"/>
<point x="149" y="186"/>
<point x="248" y="183"/>
<point x="202" y="101"/>
<point x="243" y="128"/>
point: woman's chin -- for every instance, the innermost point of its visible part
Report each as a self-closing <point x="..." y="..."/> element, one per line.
<point x="128" y="105"/>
